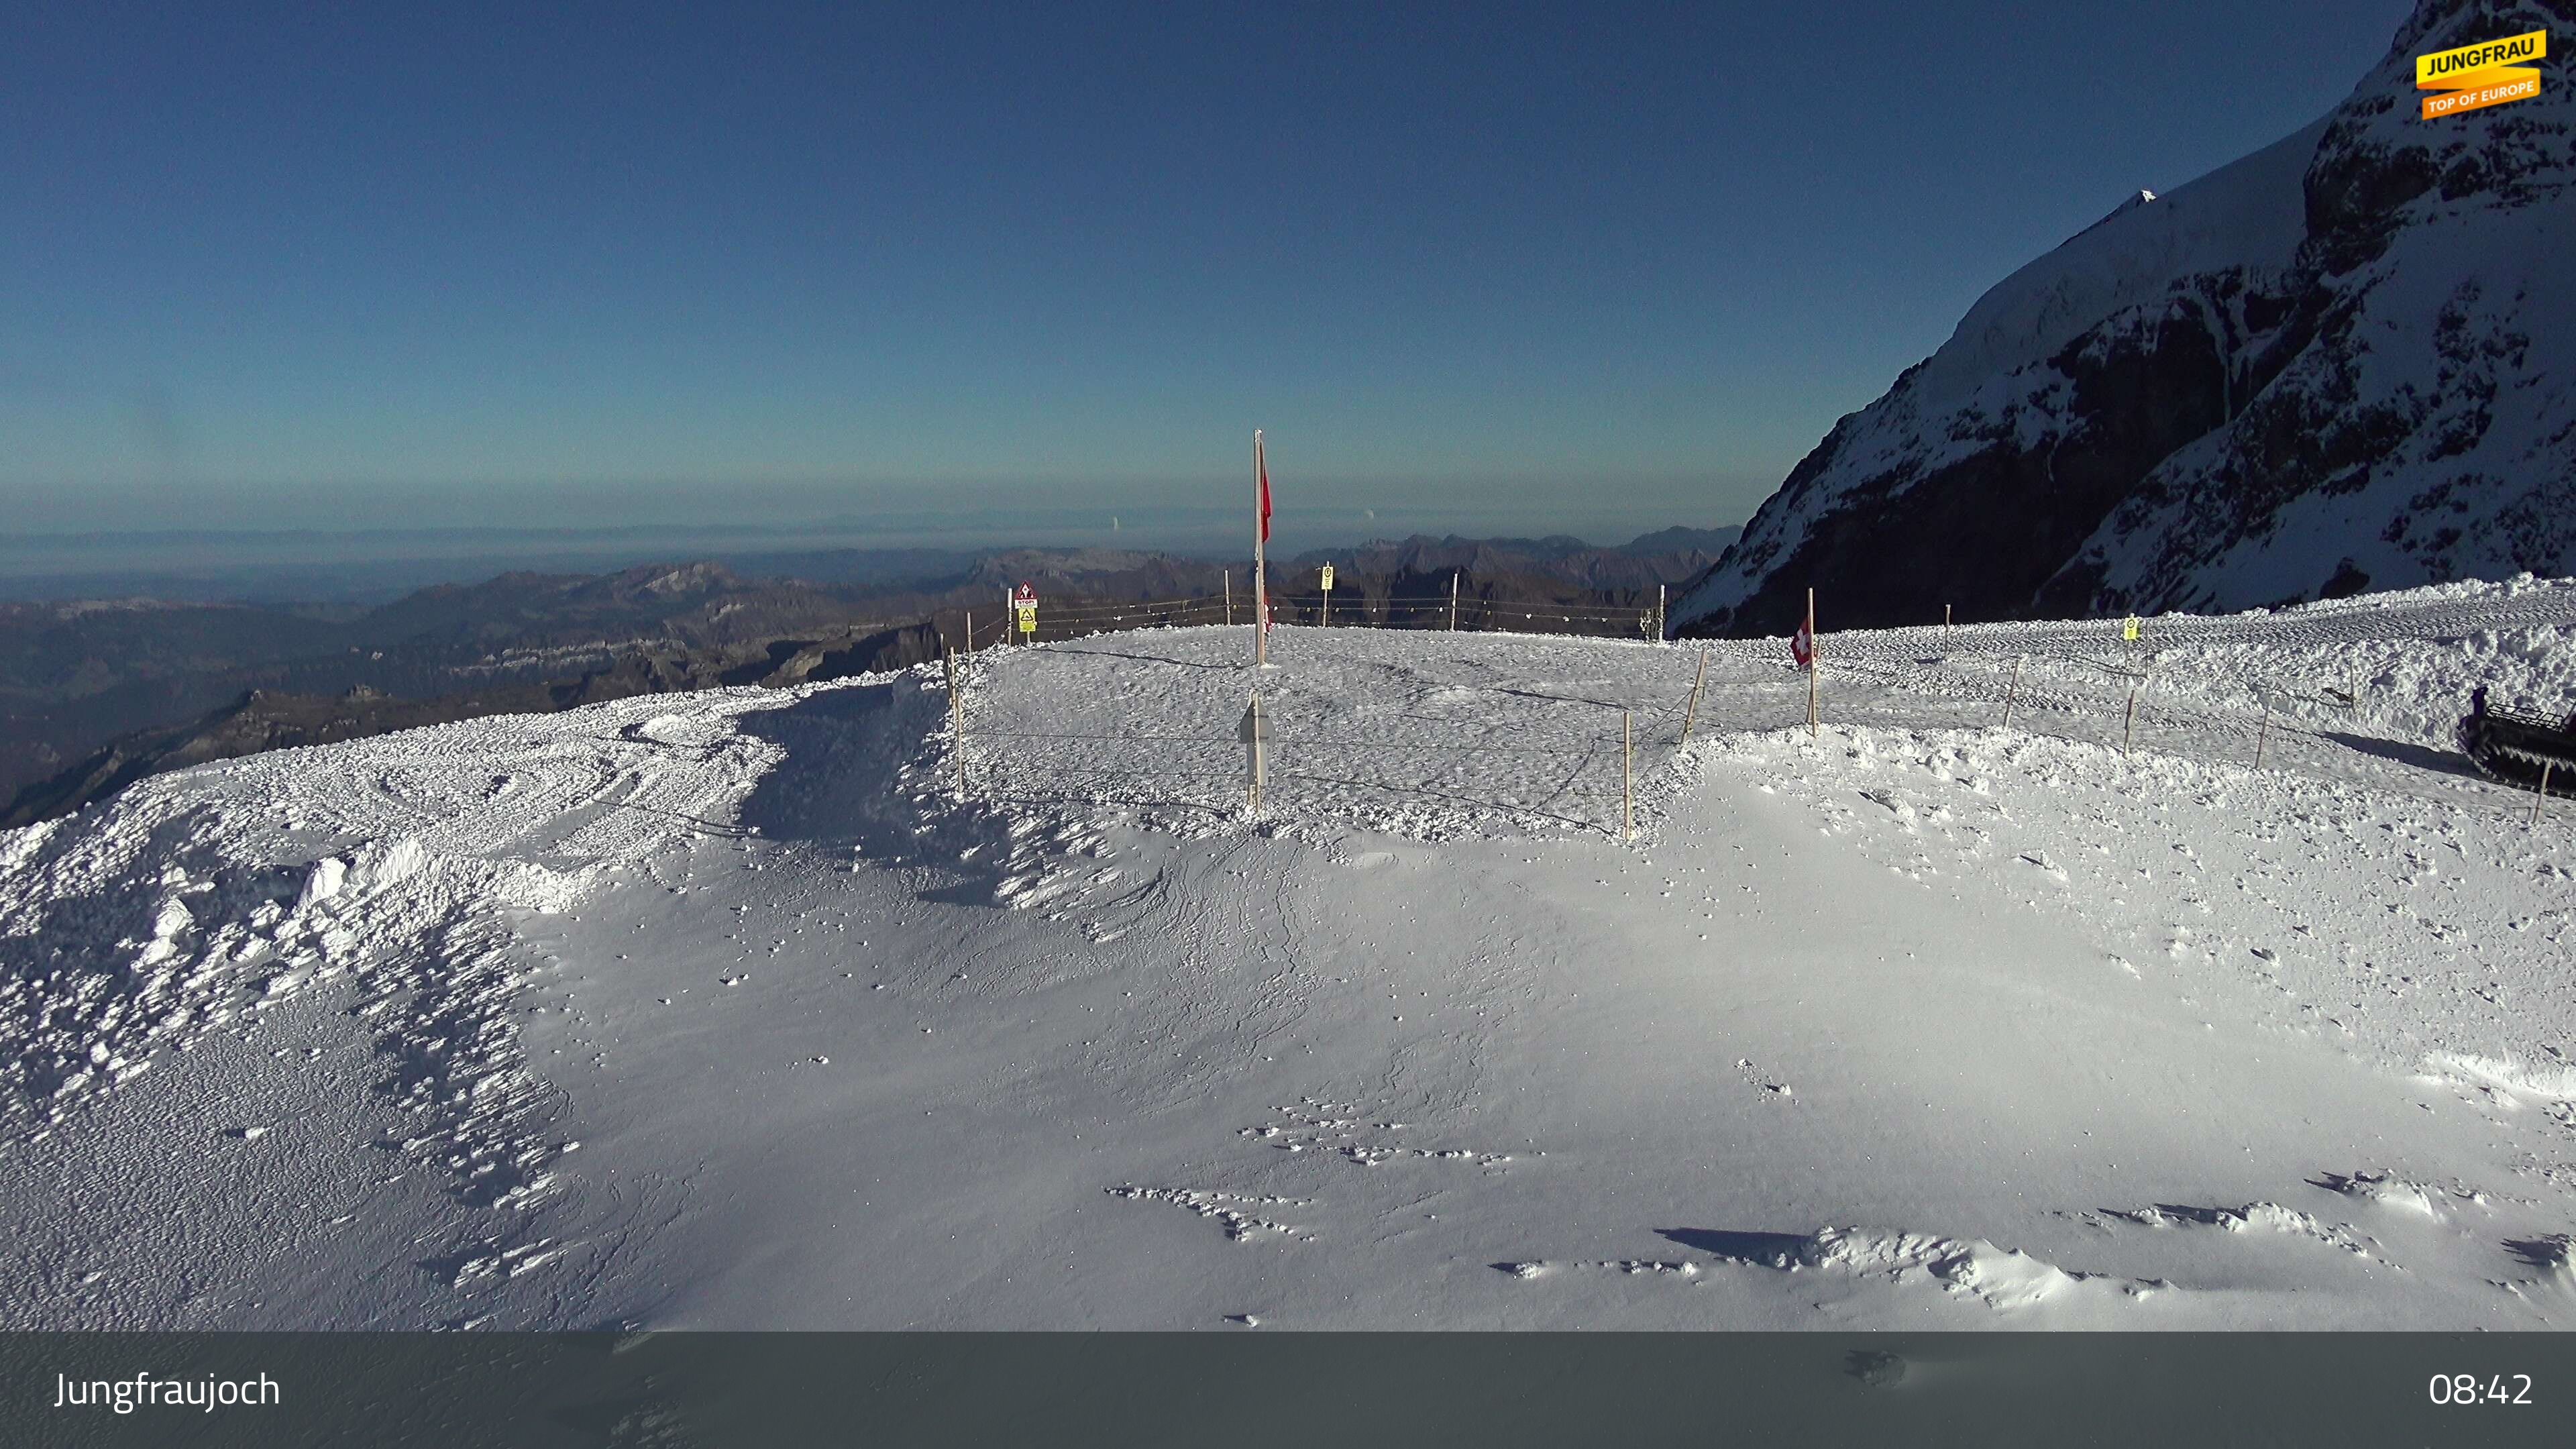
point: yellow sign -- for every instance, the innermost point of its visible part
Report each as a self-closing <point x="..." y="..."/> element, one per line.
<point x="1328" y="578"/>
<point x="2439" y="69"/>
<point x="2129" y="629"/>
<point x="1028" y="618"/>
<point x="2474" y="77"/>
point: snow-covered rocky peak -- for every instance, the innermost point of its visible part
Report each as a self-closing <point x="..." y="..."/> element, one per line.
<point x="2337" y="363"/>
<point x="2245" y="214"/>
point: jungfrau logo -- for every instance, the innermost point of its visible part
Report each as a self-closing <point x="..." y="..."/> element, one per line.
<point x="2473" y="77"/>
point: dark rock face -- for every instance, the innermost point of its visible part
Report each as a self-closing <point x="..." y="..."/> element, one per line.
<point x="2332" y="361"/>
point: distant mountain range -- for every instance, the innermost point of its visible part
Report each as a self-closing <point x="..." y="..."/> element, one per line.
<point x="1665" y="557"/>
<point x="2346" y="361"/>
<point x="96" y="694"/>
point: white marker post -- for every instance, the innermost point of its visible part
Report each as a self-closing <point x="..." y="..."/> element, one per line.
<point x="1254" y="731"/>
<point x="1453" y="602"/>
<point x="1328" y="596"/>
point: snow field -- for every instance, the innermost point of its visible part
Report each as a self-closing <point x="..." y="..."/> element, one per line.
<point x="1522" y="733"/>
<point x="722" y="1010"/>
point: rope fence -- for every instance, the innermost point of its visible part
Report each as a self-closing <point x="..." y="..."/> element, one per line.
<point x="1589" y="783"/>
<point x="1356" y="607"/>
<point x="2268" y="734"/>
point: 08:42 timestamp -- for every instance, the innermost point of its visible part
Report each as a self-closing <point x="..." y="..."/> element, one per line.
<point x="2471" y="1389"/>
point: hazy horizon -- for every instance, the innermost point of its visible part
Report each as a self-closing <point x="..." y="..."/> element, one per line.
<point x="372" y="564"/>
<point x="1479" y="504"/>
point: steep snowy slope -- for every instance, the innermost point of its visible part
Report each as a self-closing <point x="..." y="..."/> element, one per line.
<point x="721" y="1009"/>
<point x="2339" y="363"/>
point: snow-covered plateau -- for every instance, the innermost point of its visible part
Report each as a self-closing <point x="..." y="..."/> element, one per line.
<point x="735" y="1009"/>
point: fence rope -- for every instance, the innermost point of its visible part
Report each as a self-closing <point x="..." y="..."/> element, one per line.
<point x="2059" y="708"/>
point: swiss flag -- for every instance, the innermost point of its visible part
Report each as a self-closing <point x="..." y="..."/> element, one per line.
<point x="1261" y="464"/>
<point x="1802" y="646"/>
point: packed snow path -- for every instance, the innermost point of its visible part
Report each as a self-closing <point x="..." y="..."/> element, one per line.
<point x="725" y="1010"/>
<point x="1482" y="731"/>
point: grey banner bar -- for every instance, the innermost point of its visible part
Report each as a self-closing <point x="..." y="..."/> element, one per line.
<point x="1255" y="1389"/>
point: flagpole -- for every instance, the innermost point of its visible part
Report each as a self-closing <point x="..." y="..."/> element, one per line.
<point x="1260" y="578"/>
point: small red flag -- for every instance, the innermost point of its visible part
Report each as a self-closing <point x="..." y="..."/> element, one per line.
<point x="1802" y="647"/>
<point x="1261" y="461"/>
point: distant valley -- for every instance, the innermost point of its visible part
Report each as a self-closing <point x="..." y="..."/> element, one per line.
<point x="97" y="693"/>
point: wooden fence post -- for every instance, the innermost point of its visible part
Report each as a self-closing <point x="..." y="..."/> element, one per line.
<point x="2015" y="689"/>
<point x="1692" y="713"/>
<point x="1229" y="598"/>
<point x="1453" y="601"/>
<point x="1628" y="775"/>
<point x="1815" y="665"/>
<point x="2541" y="795"/>
<point x="2129" y="722"/>
<point x="957" y="724"/>
<point x="1945" y="628"/>
<point x="2262" y="735"/>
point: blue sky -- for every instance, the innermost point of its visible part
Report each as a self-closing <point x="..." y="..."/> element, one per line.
<point x="1572" y="267"/>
